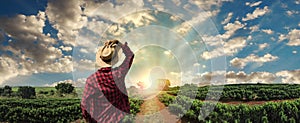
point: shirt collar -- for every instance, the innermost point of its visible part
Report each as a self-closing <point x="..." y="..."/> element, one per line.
<point x="105" y="69"/>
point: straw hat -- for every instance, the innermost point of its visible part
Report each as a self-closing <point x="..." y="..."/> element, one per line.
<point x="107" y="55"/>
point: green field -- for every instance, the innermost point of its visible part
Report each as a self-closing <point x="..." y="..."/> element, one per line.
<point x="277" y="103"/>
<point x="252" y="103"/>
<point x="51" y="106"/>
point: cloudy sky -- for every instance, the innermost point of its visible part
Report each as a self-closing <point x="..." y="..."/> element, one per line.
<point x="187" y="41"/>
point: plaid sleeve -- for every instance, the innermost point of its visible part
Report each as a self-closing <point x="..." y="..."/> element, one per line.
<point x="89" y="90"/>
<point x="124" y="67"/>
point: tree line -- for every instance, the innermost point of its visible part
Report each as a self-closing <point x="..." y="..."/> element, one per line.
<point x="28" y="92"/>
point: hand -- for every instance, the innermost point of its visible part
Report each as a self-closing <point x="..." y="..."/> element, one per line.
<point x="122" y="45"/>
<point x="112" y="43"/>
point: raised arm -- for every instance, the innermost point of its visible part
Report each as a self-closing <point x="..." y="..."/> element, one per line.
<point x="124" y="67"/>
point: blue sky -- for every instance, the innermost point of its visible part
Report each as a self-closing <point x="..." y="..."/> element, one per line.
<point x="246" y="41"/>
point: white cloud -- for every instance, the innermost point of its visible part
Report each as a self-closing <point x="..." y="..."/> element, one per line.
<point x="254" y="77"/>
<point x="291" y="12"/>
<point x="87" y="41"/>
<point x="196" y="64"/>
<point x="240" y="77"/>
<point x="174" y="18"/>
<point x="249" y="38"/>
<point x="282" y="37"/>
<point x="97" y="26"/>
<point x="138" y="19"/>
<point x="227" y="19"/>
<point x="213" y="40"/>
<point x="231" y="28"/>
<point x="176" y="2"/>
<point x="268" y="31"/>
<point x="186" y="26"/>
<point x="229" y="48"/>
<point x="66" y="17"/>
<point x="67" y="49"/>
<point x="116" y="30"/>
<point x="242" y="62"/>
<point x="263" y="46"/>
<point x="297" y="1"/>
<point x="8" y="68"/>
<point x="84" y="64"/>
<point x="294" y="37"/>
<point x="294" y="52"/>
<point x="292" y="76"/>
<point x="159" y="7"/>
<point x="111" y="12"/>
<point x="254" y="28"/>
<point x="208" y="4"/>
<point x="232" y="77"/>
<point x="78" y="83"/>
<point x="31" y="50"/>
<point x="167" y="52"/>
<point x="253" y="4"/>
<point x="209" y="78"/>
<point x="62" y="65"/>
<point x="234" y="45"/>
<point x="256" y="13"/>
<point x="83" y="50"/>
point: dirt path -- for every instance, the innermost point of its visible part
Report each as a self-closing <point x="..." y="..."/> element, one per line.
<point x="153" y="111"/>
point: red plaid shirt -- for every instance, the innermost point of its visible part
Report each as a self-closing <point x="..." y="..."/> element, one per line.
<point x="105" y="97"/>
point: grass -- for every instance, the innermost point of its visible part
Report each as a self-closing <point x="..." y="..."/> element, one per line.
<point x="37" y="89"/>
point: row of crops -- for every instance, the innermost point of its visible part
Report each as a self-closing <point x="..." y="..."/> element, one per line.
<point x="39" y="110"/>
<point x="48" y="110"/>
<point x="194" y="109"/>
<point x="241" y="92"/>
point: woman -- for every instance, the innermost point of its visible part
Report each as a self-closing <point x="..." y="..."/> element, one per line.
<point x="105" y="97"/>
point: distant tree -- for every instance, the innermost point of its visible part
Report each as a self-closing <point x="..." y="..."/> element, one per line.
<point x="66" y="88"/>
<point x="26" y="92"/>
<point x="43" y="92"/>
<point x="1" y="91"/>
<point x="51" y="92"/>
<point x="7" y="91"/>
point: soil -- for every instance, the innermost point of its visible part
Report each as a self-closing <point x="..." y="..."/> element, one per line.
<point x="153" y="111"/>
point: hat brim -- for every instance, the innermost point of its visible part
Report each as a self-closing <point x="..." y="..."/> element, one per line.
<point x="100" y="62"/>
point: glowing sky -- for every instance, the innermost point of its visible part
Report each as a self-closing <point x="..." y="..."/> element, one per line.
<point x="190" y="41"/>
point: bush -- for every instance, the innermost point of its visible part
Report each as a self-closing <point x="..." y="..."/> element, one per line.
<point x="65" y="88"/>
<point x="6" y="91"/>
<point x="166" y="99"/>
<point x="26" y="92"/>
<point x="177" y="109"/>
